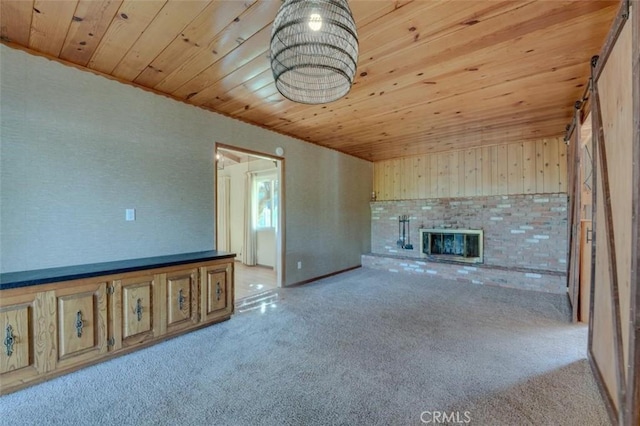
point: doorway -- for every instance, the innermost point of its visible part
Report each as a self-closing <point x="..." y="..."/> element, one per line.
<point x="249" y="219"/>
<point x="585" y="175"/>
<point x="580" y="217"/>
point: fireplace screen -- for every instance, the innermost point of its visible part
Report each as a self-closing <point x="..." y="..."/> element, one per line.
<point x="464" y="245"/>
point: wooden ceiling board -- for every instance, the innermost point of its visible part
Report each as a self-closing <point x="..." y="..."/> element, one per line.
<point x="432" y="75"/>
<point x="447" y="102"/>
<point x="457" y="137"/>
<point x="290" y="109"/>
<point x="247" y="52"/>
<point x="132" y="18"/>
<point x="447" y="132"/>
<point x="15" y="21"/>
<point x="257" y="88"/>
<point x="446" y="53"/>
<point x="88" y="25"/>
<point x="433" y="127"/>
<point x="238" y="105"/>
<point x="414" y="8"/>
<point x="50" y="23"/>
<point x="246" y="72"/>
<point x="168" y="24"/>
<point x="386" y="109"/>
<point x="239" y="30"/>
<point x="426" y="22"/>
<point x="386" y="69"/>
<point x="195" y="38"/>
<point x="429" y="130"/>
<point x="366" y="11"/>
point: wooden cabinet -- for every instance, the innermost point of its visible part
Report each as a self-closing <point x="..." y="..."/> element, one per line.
<point x="216" y="284"/>
<point x="51" y="331"/>
<point x="55" y="328"/>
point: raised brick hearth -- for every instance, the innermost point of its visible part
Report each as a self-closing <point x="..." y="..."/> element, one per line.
<point x="525" y="239"/>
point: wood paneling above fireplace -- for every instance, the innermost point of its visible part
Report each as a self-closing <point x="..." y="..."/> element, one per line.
<point x="514" y="168"/>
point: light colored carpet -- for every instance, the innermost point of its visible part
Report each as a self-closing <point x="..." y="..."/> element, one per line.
<point x="362" y="348"/>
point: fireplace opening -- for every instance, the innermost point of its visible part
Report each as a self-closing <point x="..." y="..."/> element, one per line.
<point x="460" y="245"/>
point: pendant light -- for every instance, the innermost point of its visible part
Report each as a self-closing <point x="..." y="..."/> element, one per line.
<point x="314" y="50"/>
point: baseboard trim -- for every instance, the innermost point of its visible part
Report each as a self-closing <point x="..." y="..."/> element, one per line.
<point x="323" y="276"/>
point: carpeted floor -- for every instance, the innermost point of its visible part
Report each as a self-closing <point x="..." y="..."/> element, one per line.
<point x="362" y="348"/>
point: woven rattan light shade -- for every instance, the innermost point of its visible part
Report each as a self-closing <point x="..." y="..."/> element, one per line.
<point x="314" y="50"/>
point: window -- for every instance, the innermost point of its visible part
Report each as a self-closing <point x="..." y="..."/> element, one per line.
<point x="266" y="194"/>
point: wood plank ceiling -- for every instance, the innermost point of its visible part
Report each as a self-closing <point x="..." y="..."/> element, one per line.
<point x="432" y="75"/>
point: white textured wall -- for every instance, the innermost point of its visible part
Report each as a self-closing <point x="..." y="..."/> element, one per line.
<point x="77" y="149"/>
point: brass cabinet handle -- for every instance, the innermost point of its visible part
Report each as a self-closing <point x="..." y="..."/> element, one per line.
<point x="218" y="291"/>
<point x="180" y="300"/>
<point x="138" y="310"/>
<point x="79" y="323"/>
<point x="9" y="340"/>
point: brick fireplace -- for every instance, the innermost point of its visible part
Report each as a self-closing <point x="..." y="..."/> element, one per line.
<point x="524" y="236"/>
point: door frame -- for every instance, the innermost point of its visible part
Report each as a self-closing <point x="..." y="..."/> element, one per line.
<point x="280" y="234"/>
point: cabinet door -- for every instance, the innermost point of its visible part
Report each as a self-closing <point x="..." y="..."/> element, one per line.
<point x="135" y="318"/>
<point x="216" y="288"/>
<point x="17" y="351"/>
<point x="82" y="322"/>
<point x="182" y="299"/>
<point x="17" y="355"/>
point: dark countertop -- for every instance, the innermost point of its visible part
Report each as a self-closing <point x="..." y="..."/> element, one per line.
<point x="66" y="273"/>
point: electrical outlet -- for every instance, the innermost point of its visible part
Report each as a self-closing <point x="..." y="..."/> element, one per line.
<point x="130" y="214"/>
<point x="299" y="264"/>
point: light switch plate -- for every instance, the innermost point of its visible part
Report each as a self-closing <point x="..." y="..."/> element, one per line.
<point x="130" y="214"/>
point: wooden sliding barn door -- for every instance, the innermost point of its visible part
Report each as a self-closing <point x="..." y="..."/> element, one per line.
<point x="613" y="322"/>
